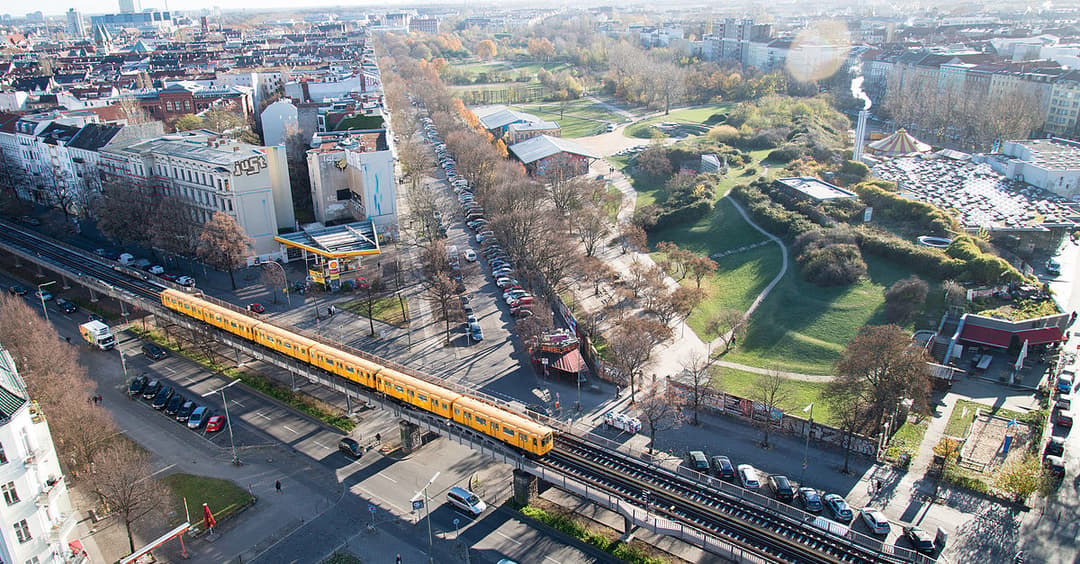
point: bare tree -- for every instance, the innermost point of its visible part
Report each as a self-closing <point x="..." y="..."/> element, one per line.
<point x="658" y="412"/>
<point x="124" y="483"/>
<point x="851" y="404"/>
<point x="173" y="228"/>
<point x="370" y="289"/>
<point x="632" y="344"/>
<point x="770" y="390"/>
<point x="224" y="245"/>
<point x="273" y="278"/>
<point x="700" y="267"/>
<point x="728" y="325"/>
<point x="698" y="376"/>
<point x="592" y="227"/>
<point x="441" y="292"/>
<point x="121" y="212"/>
<point x="595" y="271"/>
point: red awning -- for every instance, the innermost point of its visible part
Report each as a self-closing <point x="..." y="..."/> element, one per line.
<point x="570" y="362"/>
<point x="75" y="546"/>
<point x="1041" y="336"/>
<point x="986" y="336"/>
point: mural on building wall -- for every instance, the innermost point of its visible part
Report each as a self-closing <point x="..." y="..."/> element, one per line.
<point x="250" y="166"/>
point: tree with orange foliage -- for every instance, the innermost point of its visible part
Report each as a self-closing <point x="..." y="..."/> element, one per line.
<point x="467" y="115"/>
<point x="486" y="49"/>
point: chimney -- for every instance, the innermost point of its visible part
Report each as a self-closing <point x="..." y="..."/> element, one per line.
<point x="236" y="148"/>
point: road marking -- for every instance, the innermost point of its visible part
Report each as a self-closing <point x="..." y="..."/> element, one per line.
<point x="238" y="403"/>
<point x="291" y="429"/>
<point x="381" y="475"/>
<point x="162" y="470"/>
<point x="553" y="560"/>
<point x="260" y="414"/>
<point x="515" y="541"/>
<point x="322" y="445"/>
<point x="170" y="369"/>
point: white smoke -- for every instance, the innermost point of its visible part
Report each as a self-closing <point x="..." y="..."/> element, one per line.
<point x="857" y="92"/>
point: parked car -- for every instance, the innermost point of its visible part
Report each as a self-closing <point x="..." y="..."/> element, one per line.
<point x="66" y="306"/>
<point x="505" y="282"/>
<point x="154" y="352"/>
<point x="839" y="508"/>
<point x="350" y="448"/>
<point x="151" y="390"/>
<point x="184" y="413"/>
<point x="185" y="281"/>
<point x="137" y="385"/>
<point x="514" y="295"/>
<point x="1053" y="267"/>
<point x="809" y="499"/>
<point x="215" y="423"/>
<point x="1055" y="465"/>
<point x="696" y="460"/>
<point x="475" y="332"/>
<point x="722" y="468"/>
<point x="173" y="407"/>
<point x="466" y="501"/>
<point x="156" y="269"/>
<point x="524" y="300"/>
<point x="876" y="521"/>
<point x="782" y="488"/>
<point x="95" y="317"/>
<point x="18" y="290"/>
<point x="1063" y="417"/>
<point x="1056" y="447"/>
<point x="920" y="539"/>
<point x="1065" y="383"/>
<point x="748" y="477"/>
<point x="470" y="255"/>
<point x="198" y="417"/>
<point x="256" y="308"/>
<point x="43" y="294"/>
<point x="162" y="398"/>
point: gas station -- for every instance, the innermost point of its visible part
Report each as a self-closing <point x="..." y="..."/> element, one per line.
<point x="333" y="255"/>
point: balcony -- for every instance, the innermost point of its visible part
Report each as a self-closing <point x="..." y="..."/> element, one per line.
<point x="49" y="492"/>
<point x="62" y="527"/>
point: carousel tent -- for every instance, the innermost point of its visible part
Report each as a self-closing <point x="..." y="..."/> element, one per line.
<point x="899" y="143"/>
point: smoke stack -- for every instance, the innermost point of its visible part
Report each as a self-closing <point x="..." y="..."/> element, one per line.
<point x="860" y="136"/>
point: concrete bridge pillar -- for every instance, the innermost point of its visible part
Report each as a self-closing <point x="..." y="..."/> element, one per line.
<point x="411" y="438"/>
<point x="525" y="487"/>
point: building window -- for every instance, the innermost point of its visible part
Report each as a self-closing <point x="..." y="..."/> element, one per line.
<point x="22" y="531"/>
<point x="33" y="560"/>
<point x="10" y="495"/>
<point x="3" y="455"/>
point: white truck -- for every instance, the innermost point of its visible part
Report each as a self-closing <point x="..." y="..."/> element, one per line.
<point x="622" y="422"/>
<point x="97" y="334"/>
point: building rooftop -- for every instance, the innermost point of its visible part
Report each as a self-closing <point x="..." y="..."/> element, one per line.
<point x="1053" y="153"/>
<point x="349" y="240"/>
<point x="543" y="146"/>
<point x="505" y="117"/>
<point x="816" y="188"/>
<point x="199" y="145"/>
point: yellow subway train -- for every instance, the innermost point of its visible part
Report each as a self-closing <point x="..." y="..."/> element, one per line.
<point x="499" y="423"/>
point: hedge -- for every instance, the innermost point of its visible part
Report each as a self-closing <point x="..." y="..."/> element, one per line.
<point x="916" y="214"/>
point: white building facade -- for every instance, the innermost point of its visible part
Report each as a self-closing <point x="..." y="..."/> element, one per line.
<point x="38" y="518"/>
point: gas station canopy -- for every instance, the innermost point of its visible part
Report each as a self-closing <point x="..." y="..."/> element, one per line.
<point x="340" y="241"/>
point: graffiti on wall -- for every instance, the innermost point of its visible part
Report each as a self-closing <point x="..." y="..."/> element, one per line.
<point x="250" y="165"/>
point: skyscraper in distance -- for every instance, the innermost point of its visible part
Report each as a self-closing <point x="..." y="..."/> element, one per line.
<point x="76" y="26"/>
<point x="130" y="6"/>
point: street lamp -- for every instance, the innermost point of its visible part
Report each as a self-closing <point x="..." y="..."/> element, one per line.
<point x="288" y="296"/>
<point x="545" y="361"/>
<point x="228" y="421"/>
<point x="427" y="515"/>
<point x="41" y="296"/>
<point x="806" y="447"/>
<point x="123" y="361"/>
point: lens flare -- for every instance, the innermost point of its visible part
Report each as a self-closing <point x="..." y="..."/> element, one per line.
<point x="818" y="51"/>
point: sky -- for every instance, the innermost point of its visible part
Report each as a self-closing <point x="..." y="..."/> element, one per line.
<point x="59" y="7"/>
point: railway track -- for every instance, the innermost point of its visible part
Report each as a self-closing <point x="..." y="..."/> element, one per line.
<point x="772" y="537"/>
<point x="82" y="266"/>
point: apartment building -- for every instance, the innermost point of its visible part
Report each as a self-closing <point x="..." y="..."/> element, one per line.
<point x="210" y="173"/>
<point x="37" y="520"/>
<point x="352" y="178"/>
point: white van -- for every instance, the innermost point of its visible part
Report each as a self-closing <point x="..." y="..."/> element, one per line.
<point x="748" y="477"/>
<point x="126" y="259"/>
<point x="466" y="501"/>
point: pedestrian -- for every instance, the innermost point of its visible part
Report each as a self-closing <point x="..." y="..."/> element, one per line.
<point x="68" y="339"/>
<point x="378" y="437"/>
<point x="277" y="486"/>
<point x="877" y="485"/>
<point x="398" y="560"/>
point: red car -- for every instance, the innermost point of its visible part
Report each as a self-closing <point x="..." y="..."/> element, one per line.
<point x="256" y="308"/>
<point x="215" y="423"/>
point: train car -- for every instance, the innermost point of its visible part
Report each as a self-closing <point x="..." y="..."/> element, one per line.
<point x="503" y="425"/>
<point x="506" y="426"/>
<point x="284" y="341"/>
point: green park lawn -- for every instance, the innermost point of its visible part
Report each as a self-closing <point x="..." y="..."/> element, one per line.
<point x="963" y="414"/>
<point x="804" y="328"/>
<point x="578" y="118"/>
<point x="697" y="115"/>
<point x="797" y="394"/>
<point x="222" y="496"/>
<point x="386" y="309"/>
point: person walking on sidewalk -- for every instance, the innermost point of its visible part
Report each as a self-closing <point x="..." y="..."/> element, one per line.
<point x="277" y="486"/>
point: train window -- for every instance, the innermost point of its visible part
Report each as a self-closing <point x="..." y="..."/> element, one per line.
<point x="509" y="432"/>
<point x="534" y="441"/>
<point x="410" y="393"/>
<point x="421" y="397"/>
<point x="399" y="389"/>
<point x="456" y="411"/>
<point x="348" y="369"/>
<point x="481" y="420"/>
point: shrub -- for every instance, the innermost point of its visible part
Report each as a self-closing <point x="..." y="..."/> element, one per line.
<point x="833" y="265"/>
<point x="717" y="118"/>
<point x="914" y="214"/>
<point x="785" y="154"/>
<point x="723" y="134"/>
<point x="904" y="297"/>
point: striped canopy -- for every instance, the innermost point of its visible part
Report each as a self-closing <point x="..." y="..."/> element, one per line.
<point x="899" y="143"/>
